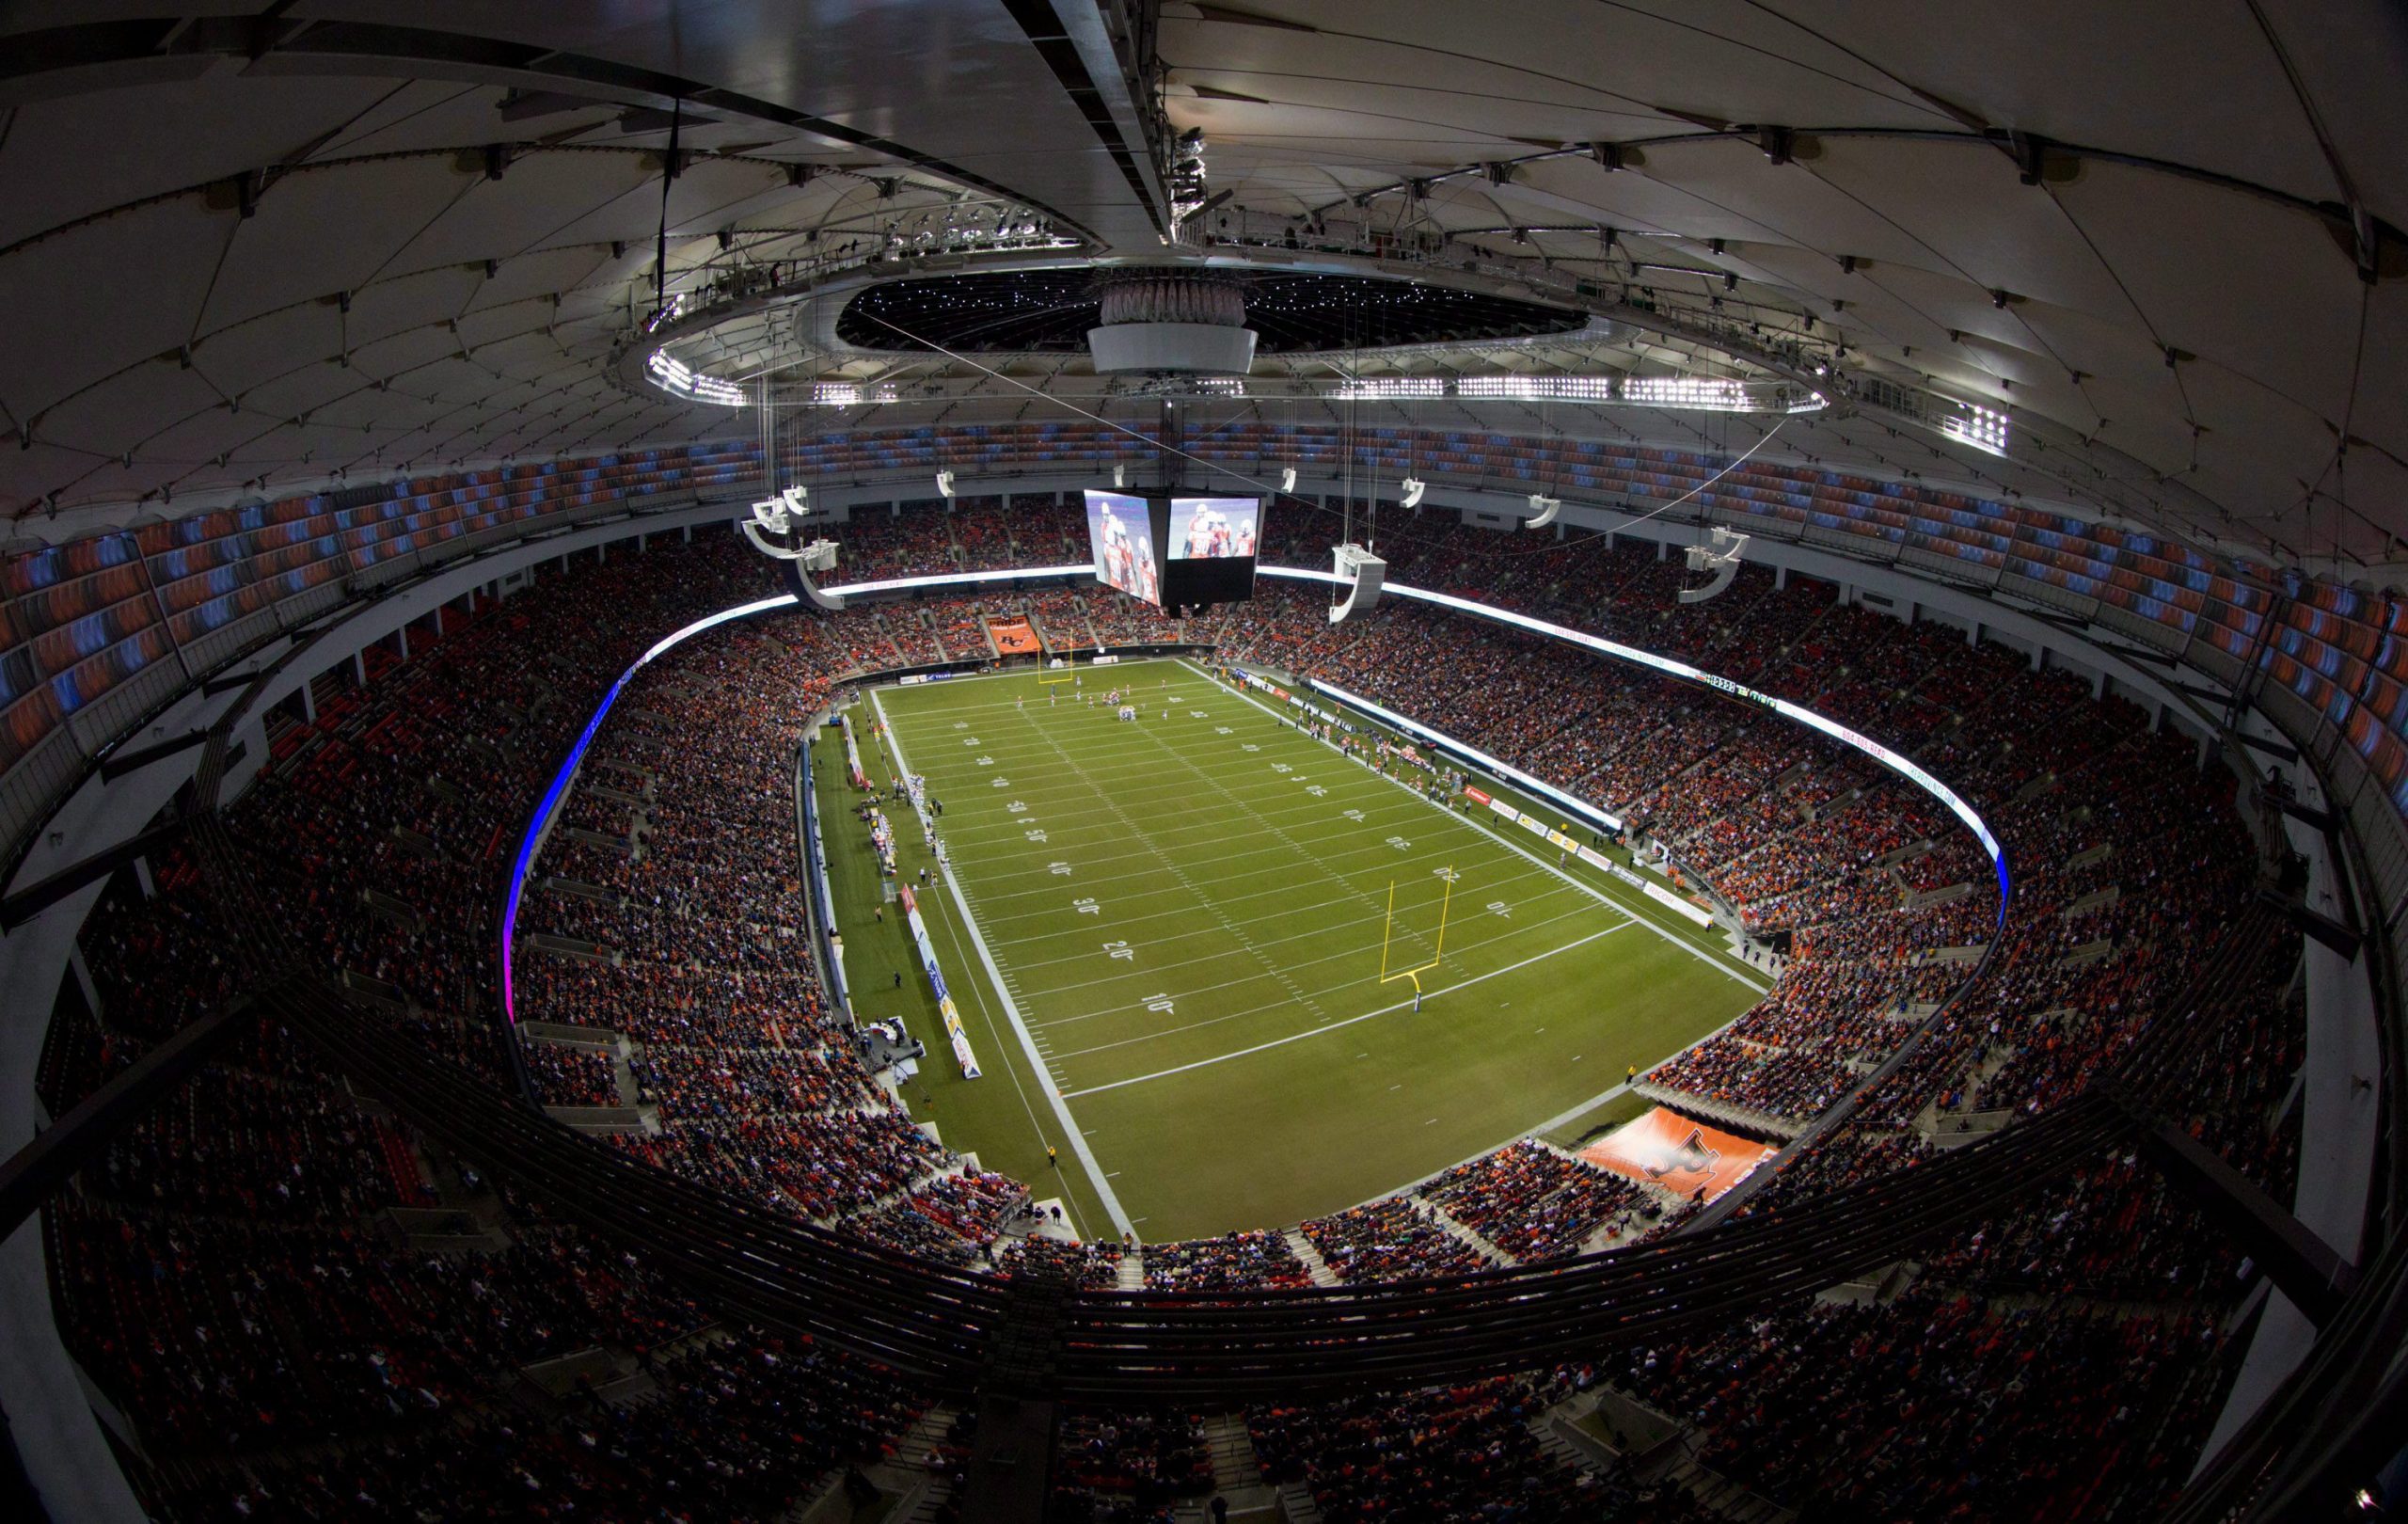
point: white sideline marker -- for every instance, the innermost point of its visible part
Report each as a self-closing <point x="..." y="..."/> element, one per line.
<point x="1053" y="1096"/>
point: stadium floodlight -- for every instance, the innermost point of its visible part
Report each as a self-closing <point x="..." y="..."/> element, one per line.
<point x="1413" y="491"/>
<point x="1721" y="559"/>
<point x="1543" y="510"/>
<point x="945" y="483"/>
<point x="1287" y="480"/>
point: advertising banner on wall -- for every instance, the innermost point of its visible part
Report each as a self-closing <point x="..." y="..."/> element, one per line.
<point x="1595" y="859"/>
<point x="927" y="955"/>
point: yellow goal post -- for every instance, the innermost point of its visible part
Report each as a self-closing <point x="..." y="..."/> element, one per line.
<point x="1387" y="935"/>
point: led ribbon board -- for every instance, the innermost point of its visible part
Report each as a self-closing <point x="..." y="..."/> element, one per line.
<point x="1916" y="775"/>
<point x="559" y="789"/>
<point x="1873" y="749"/>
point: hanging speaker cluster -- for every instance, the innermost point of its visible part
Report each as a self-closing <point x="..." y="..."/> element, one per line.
<point x="1363" y="575"/>
<point x="1722" y="560"/>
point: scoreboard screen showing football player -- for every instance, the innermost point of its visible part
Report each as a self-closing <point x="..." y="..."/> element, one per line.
<point x="1212" y="529"/>
<point x="1120" y="530"/>
<point x="1212" y="543"/>
<point x="1175" y="552"/>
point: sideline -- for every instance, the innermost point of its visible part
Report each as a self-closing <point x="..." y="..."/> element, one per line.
<point x="1639" y="914"/>
<point x="1054" y="1098"/>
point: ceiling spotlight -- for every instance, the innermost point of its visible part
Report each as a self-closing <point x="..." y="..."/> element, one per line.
<point x="1543" y="510"/>
<point x="1413" y="491"/>
<point x="944" y="483"/>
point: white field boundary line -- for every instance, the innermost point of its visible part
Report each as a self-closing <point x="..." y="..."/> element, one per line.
<point x="1350" y="1021"/>
<point x="954" y="936"/>
<point x="1171" y="1031"/>
<point x="1638" y="913"/>
<point x="1060" y="1104"/>
<point x="1562" y="1118"/>
<point x="1128" y="1006"/>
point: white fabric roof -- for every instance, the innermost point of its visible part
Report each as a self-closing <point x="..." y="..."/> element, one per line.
<point x="2178" y="304"/>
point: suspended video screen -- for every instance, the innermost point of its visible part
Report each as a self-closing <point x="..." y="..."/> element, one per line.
<point x="1213" y="529"/>
<point x="1174" y="550"/>
<point x="1121" y="532"/>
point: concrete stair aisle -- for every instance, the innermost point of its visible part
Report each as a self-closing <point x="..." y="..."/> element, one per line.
<point x="1562" y="1451"/>
<point x="1717" y="1494"/>
<point x="1315" y="1265"/>
<point x="912" y="1477"/>
<point x="1237" y="1474"/>
<point x="877" y="621"/>
<point x="1133" y="1271"/>
<point x="1460" y="1234"/>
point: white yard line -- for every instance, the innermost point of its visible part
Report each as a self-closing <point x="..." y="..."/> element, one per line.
<point x="1027" y="964"/>
<point x="1319" y="1031"/>
<point x="1125" y="1006"/>
<point x="1395" y="863"/>
<point x="1078" y="1140"/>
<point x="1186" y="962"/>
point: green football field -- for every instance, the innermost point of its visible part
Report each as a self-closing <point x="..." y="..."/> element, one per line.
<point x="1187" y="951"/>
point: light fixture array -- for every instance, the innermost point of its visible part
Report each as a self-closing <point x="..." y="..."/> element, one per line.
<point x="1538" y="388"/>
<point x="1711" y="394"/>
<point x="851" y="394"/>
<point x="1386" y="388"/>
<point x="1981" y="427"/>
<point x="1986" y="429"/>
<point x="672" y="376"/>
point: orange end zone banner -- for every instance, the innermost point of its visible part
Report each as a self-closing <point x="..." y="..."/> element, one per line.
<point x="1013" y="636"/>
<point x="1666" y="1149"/>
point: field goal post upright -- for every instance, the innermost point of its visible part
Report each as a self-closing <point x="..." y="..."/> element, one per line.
<point x="1387" y="935"/>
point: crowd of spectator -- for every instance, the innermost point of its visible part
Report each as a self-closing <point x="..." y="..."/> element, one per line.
<point x="223" y="1275"/>
<point x="1532" y="1202"/>
<point x="1234" y="1260"/>
<point x="1126" y="1468"/>
<point x="1389" y="1240"/>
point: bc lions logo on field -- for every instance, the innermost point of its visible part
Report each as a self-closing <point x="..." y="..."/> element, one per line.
<point x="1691" y="1157"/>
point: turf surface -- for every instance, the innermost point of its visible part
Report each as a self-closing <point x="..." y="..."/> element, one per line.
<point x="1167" y="941"/>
